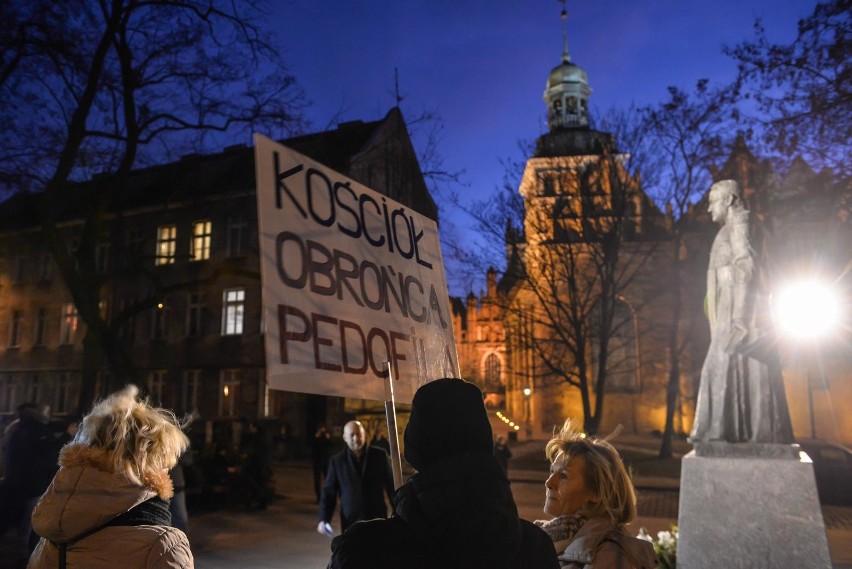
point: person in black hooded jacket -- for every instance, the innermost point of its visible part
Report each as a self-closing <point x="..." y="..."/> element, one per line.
<point x="457" y="511"/>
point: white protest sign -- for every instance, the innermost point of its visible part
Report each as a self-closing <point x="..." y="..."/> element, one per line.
<point x="351" y="280"/>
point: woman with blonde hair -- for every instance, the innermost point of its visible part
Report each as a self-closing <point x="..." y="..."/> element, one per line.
<point x="591" y="497"/>
<point x="108" y="506"/>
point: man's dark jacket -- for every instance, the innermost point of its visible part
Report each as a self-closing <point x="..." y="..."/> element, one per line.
<point x="458" y="513"/>
<point x="360" y="485"/>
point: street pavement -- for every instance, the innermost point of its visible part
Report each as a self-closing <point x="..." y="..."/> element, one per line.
<point x="284" y="535"/>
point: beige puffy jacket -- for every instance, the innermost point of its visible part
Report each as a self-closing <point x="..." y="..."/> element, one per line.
<point x="86" y="494"/>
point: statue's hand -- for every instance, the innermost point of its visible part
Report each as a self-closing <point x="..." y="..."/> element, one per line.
<point x="738" y="334"/>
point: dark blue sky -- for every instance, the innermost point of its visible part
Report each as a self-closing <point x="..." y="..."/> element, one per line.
<point x="482" y="65"/>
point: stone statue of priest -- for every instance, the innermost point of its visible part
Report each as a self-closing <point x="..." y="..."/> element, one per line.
<point x="741" y="394"/>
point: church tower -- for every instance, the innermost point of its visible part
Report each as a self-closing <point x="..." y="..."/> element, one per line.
<point x="578" y="198"/>
<point x="567" y="92"/>
<point x="567" y="98"/>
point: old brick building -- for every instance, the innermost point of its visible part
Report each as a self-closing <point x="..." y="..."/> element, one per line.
<point x="186" y="233"/>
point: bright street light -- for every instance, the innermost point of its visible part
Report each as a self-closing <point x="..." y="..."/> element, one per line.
<point x="807" y="309"/>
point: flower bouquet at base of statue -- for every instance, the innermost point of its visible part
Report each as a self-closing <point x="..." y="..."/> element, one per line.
<point x="665" y="546"/>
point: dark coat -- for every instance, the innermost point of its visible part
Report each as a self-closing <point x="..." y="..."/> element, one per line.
<point x="31" y="457"/>
<point x="360" y="486"/>
<point x="459" y="513"/>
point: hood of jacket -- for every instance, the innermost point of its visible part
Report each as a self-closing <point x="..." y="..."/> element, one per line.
<point x="462" y="506"/>
<point x="87" y="493"/>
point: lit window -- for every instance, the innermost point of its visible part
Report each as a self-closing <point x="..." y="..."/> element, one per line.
<point x="15" y="328"/>
<point x="68" y="325"/>
<point x="166" y="244"/>
<point x="200" y="245"/>
<point x="236" y="231"/>
<point x="233" y="311"/>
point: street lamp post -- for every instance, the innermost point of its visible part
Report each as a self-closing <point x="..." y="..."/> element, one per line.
<point x="811" y="404"/>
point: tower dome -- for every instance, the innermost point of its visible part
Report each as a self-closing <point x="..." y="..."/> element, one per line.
<point x="567" y="91"/>
<point x="566" y="73"/>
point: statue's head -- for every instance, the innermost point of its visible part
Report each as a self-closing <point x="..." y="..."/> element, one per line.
<point x="724" y="195"/>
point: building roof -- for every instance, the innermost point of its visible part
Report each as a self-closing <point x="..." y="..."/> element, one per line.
<point x="200" y="176"/>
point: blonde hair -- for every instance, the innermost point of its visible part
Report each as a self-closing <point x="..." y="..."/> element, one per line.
<point x="605" y="473"/>
<point x="139" y="439"/>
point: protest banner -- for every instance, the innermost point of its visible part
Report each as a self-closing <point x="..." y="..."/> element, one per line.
<point x="352" y="280"/>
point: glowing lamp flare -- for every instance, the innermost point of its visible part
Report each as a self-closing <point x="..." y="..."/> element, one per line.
<point x="807" y="309"/>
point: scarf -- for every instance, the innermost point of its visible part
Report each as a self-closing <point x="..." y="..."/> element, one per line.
<point x="561" y="530"/>
<point x="153" y="512"/>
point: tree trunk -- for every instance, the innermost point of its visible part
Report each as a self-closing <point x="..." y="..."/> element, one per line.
<point x="91" y="363"/>
<point x="673" y="386"/>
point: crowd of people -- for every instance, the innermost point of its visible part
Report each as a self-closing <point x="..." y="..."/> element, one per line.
<point x="112" y="487"/>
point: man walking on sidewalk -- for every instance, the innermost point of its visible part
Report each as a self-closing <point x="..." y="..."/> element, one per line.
<point x="360" y="475"/>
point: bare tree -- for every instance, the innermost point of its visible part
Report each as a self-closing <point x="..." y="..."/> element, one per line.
<point x="803" y="89"/>
<point x="98" y="87"/>
<point x="576" y="242"/>
<point x="689" y="133"/>
<point x="495" y="222"/>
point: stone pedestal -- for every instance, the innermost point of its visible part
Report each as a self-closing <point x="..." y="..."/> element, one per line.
<point x="750" y="512"/>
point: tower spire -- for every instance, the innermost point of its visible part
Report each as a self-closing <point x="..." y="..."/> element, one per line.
<point x="567" y="92"/>
<point x="566" y="56"/>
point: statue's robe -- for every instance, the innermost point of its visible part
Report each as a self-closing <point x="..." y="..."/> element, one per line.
<point x="741" y="393"/>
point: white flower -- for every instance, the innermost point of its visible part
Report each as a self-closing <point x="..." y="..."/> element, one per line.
<point x="665" y="539"/>
<point x="643" y="534"/>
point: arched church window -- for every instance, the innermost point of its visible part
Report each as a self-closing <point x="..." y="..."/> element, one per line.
<point x="493" y="370"/>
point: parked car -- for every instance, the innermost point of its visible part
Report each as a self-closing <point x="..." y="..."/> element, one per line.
<point x="833" y="471"/>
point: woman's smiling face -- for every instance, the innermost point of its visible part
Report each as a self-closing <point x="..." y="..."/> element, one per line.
<point x="566" y="489"/>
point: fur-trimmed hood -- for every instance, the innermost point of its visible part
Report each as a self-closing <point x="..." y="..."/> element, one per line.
<point x="77" y="455"/>
<point x="87" y="493"/>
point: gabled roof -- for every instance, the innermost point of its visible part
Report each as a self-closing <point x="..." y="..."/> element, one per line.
<point x="200" y="176"/>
